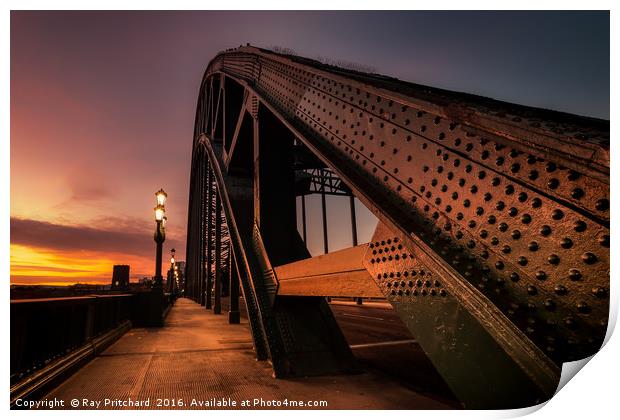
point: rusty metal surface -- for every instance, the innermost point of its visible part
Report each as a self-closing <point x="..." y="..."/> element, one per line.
<point x="339" y="273"/>
<point x="509" y="205"/>
<point x="487" y="362"/>
<point x="529" y="218"/>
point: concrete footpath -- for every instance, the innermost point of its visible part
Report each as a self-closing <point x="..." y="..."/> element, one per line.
<point x="198" y="361"/>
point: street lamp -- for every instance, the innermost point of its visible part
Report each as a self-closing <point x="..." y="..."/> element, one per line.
<point x="160" y="234"/>
<point x="161" y="197"/>
<point x="172" y="273"/>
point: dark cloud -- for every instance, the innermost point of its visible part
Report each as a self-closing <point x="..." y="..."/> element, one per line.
<point x="47" y="235"/>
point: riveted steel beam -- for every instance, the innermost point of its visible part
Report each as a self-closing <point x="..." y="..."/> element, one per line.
<point x="507" y="205"/>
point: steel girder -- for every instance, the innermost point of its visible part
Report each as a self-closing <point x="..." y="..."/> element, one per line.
<point x="493" y="242"/>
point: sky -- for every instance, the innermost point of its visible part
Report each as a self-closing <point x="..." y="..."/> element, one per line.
<point x="102" y="109"/>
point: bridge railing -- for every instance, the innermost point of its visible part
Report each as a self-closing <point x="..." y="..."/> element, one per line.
<point x="43" y="330"/>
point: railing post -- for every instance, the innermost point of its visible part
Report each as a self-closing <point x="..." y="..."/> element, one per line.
<point x="353" y="220"/>
<point x="209" y="229"/>
<point x="217" y="306"/>
<point x="233" y="312"/>
<point x="303" y="218"/>
<point x="90" y="320"/>
<point x="203" y="199"/>
<point x="324" y="214"/>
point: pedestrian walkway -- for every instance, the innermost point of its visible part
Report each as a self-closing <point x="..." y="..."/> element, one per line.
<point x="197" y="357"/>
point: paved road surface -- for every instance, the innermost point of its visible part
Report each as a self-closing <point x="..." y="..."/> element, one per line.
<point x="383" y="344"/>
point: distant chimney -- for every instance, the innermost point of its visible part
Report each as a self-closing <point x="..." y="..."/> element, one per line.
<point x="120" y="277"/>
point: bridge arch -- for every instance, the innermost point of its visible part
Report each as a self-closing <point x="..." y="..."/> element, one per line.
<point x="493" y="235"/>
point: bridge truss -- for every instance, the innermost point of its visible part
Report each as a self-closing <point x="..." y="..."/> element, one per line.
<point x="493" y="236"/>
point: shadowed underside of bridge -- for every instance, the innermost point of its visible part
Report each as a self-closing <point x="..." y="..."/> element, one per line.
<point x="493" y="236"/>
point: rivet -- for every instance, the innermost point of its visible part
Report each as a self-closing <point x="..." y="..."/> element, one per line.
<point x="499" y="265"/>
<point x="574" y="274"/>
<point x="570" y="322"/>
<point x="577" y="193"/>
<point x="506" y="249"/>
<point x="604" y="241"/>
<point x="599" y="292"/>
<point x="589" y="258"/>
<point x="602" y="204"/>
<point x="531" y="290"/>
<point x="553" y="259"/>
<point x="513" y="211"/>
<point x="484" y="233"/>
<point x="560" y="290"/>
<point x="503" y="227"/>
<point x="557" y="214"/>
<point x="566" y="243"/>
<point x="522" y="260"/>
<point x="514" y="277"/>
<point x="580" y="226"/>
<point x="536" y="202"/>
<point x="553" y="183"/>
<point x="500" y="205"/>
<point x="545" y="230"/>
<point x="541" y="275"/>
<point x="583" y="307"/>
<point x="515" y="234"/>
<point x="526" y="218"/>
<point x="533" y="246"/>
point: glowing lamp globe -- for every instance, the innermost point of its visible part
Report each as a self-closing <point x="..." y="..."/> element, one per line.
<point x="159" y="213"/>
<point x="161" y="197"/>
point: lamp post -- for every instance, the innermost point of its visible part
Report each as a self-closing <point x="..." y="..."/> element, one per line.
<point x="160" y="234"/>
<point x="174" y="274"/>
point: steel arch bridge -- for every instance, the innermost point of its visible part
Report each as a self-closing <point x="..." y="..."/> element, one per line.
<point x="493" y="237"/>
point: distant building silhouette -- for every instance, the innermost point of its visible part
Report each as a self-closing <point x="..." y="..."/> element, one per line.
<point x="120" y="277"/>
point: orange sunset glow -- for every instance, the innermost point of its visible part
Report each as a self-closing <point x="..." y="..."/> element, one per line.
<point x="103" y="106"/>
